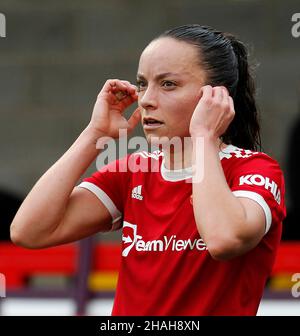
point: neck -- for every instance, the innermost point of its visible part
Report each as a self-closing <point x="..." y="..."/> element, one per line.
<point x="180" y="157"/>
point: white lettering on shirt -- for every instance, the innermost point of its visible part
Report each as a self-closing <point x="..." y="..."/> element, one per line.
<point x="266" y="182"/>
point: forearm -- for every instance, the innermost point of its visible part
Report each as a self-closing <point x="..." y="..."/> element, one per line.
<point x="218" y="213"/>
<point x="44" y="206"/>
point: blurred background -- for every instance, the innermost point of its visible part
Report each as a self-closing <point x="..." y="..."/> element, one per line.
<point x="53" y="61"/>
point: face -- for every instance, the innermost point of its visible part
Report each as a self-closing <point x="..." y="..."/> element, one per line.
<point x="169" y="80"/>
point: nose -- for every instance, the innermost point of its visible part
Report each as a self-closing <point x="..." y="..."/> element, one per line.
<point x="148" y="98"/>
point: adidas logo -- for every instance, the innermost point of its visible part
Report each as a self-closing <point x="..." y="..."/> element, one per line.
<point x="137" y="192"/>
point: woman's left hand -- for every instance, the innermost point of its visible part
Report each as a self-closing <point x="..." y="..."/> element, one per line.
<point x="213" y="113"/>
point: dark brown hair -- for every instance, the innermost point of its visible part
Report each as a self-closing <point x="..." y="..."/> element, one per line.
<point x="225" y="59"/>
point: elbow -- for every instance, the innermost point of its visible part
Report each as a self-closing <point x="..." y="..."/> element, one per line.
<point x="16" y="237"/>
<point x="224" y="250"/>
<point x="20" y="239"/>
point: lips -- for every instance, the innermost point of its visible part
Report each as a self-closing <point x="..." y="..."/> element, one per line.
<point x="149" y="121"/>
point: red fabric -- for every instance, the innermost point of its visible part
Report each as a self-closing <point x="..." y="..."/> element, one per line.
<point x="165" y="267"/>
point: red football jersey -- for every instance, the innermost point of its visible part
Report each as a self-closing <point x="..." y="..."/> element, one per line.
<point x="166" y="268"/>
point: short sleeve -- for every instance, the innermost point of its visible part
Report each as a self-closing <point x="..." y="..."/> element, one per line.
<point x="109" y="184"/>
<point x="260" y="178"/>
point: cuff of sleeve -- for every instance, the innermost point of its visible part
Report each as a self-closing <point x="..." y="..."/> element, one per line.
<point x="106" y="200"/>
<point x="260" y="200"/>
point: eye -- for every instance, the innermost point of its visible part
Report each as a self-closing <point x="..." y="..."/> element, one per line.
<point x="140" y="85"/>
<point x="168" y="84"/>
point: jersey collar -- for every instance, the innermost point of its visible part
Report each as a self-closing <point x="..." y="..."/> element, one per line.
<point x="186" y="173"/>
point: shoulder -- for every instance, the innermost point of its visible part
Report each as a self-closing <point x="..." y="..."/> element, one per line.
<point x="240" y="158"/>
<point x="248" y="173"/>
<point x="250" y="169"/>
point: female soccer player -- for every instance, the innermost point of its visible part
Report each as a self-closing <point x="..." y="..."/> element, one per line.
<point x="200" y="230"/>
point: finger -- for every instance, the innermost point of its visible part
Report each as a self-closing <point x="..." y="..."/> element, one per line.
<point x="225" y="99"/>
<point x="206" y="92"/>
<point x="121" y="89"/>
<point x="126" y="97"/>
<point x="218" y="93"/>
<point x="131" y="90"/>
<point x="225" y="90"/>
<point x="231" y="103"/>
<point x="112" y="85"/>
<point x="131" y="86"/>
<point x="135" y="118"/>
<point x="120" y="95"/>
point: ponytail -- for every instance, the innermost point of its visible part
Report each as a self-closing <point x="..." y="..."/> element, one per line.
<point x="244" y="131"/>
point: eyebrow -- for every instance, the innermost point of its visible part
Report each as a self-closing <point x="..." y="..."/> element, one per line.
<point x="158" y="77"/>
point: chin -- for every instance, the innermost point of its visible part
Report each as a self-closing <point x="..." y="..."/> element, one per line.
<point x="157" y="141"/>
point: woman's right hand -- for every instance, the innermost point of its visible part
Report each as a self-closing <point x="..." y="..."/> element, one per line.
<point x="107" y="118"/>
